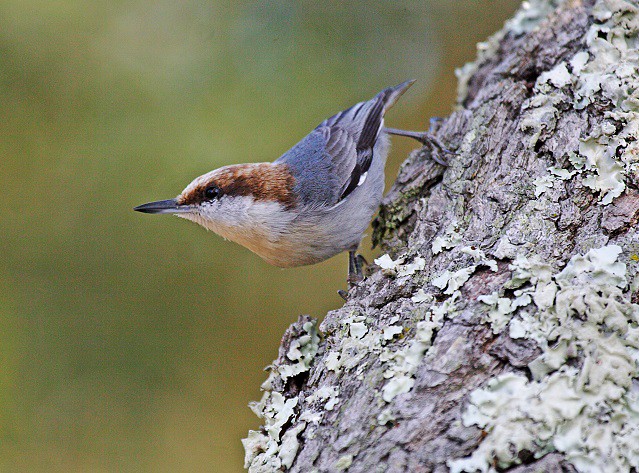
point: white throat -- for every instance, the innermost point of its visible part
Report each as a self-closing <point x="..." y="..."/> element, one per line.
<point x="256" y="225"/>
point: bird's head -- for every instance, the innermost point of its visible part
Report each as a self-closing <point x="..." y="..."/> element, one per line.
<point x="239" y="202"/>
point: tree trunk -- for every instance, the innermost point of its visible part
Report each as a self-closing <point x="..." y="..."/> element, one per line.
<point x="500" y="332"/>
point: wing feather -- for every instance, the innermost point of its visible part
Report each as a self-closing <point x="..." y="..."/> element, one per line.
<point x="332" y="161"/>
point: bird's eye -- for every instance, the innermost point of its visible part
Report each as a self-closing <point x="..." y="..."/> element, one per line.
<point x="212" y="193"/>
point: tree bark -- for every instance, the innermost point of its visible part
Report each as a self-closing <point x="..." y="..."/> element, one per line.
<point x="500" y="331"/>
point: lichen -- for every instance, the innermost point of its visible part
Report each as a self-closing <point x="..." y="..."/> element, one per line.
<point x="452" y="281"/>
<point x="327" y="394"/>
<point x="263" y="451"/>
<point x="270" y="449"/>
<point x="344" y="462"/>
<point x="388" y="333"/>
<point x="421" y="296"/>
<point x="542" y="184"/>
<point x="388" y="265"/>
<point x="605" y="73"/>
<point x="526" y="19"/>
<point x="358" y="339"/>
<point x="301" y="352"/>
<point x="448" y="240"/>
<point x="582" y="400"/>
<point x="540" y="115"/>
<point x="409" y="269"/>
<point x="290" y="445"/>
<point x="397" y="267"/>
<point x="385" y="417"/>
<point x="404" y="362"/>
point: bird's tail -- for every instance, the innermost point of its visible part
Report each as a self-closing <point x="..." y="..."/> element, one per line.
<point x="390" y="95"/>
<point x="375" y="110"/>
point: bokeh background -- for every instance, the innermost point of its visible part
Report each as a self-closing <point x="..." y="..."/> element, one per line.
<point x="133" y="343"/>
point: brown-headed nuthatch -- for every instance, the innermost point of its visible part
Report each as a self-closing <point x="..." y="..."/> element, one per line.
<point x="310" y="204"/>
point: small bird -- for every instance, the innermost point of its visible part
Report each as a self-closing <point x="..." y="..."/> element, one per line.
<point x="313" y="202"/>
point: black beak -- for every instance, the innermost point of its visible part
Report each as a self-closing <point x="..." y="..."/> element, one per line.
<point x="169" y="206"/>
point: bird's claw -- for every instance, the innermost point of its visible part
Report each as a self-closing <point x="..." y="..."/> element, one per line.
<point x="434" y="143"/>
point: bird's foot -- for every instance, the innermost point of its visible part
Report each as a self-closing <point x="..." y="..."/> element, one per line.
<point x="427" y="139"/>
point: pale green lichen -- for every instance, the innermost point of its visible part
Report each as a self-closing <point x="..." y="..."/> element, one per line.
<point x="452" y="281"/>
<point x="607" y="176"/>
<point x="448" y="240"/>
<point x="501" y="308"/>
<point x="530" y="14"/>
<point x="358" y="329"/>
<point x="582" y="400"/>
<point x="290" y="445"/>
<point x="270" y="450"/>
<point x="409" y="269"/>
<point x="385" y="417"/>
<point x="558" y="76"/>
<point x="542" y="184"/>
<point x="606" y="72"/>
<point x="479" y="257"/>
<point x="263" y="451"/>
<point x="301" y="351"/>
<point x="332" y="361"/>
<point x="563" y="174"/>
<point x="344" y="462"/>
<point x="403" y="363"/>
<point x="388" y="265"/>
<point x="358" y="340"/>
<point x="388" y="333"/>
<point x="540" y="115"/>
<point x="397" y="267"/>
<point x="421" y="296"/>
<point x="327" y="394"/>
<point x="361" y="339"/>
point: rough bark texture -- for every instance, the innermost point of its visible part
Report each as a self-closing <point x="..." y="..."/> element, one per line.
<point x="500" y="333"/>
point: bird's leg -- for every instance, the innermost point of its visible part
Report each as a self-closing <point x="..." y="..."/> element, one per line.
<point x="426" y="138"/>
<point x="361" y="261"/>
<point x="354" y="268"/>
<point x="355" y="275"/>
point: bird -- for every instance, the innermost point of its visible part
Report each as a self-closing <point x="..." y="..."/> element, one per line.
<point x="313" y="202"/>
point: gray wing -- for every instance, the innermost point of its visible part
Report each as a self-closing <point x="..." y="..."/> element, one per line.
<point x="350" y="137"/>
<point x="333" y="159"/>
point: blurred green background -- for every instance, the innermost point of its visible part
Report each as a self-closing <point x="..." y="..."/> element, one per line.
<point x="133" y="343"/>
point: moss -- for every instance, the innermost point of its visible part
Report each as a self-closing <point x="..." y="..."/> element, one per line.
<point x="393" y="215"/>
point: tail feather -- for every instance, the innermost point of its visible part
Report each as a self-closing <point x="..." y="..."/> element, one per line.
<point x="380" y="104"/>
<point x="392" y="94"/>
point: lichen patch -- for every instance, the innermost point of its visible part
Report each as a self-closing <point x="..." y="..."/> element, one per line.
<point x="605" y="74"/>
<point x="582" y="400"/>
